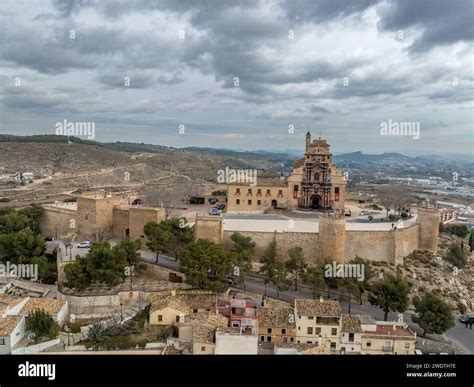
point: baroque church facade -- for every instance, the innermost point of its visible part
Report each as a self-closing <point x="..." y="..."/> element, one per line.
<point x="315" y="184"/>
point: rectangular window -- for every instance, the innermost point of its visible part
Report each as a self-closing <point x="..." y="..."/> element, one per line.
<point x="262" y="338"/>
<point x="407" y="345"/>
<point x="333" y="345"/>
<point x="195" y="310"/>
<point x="269" y="330"/>
<point x="237" y="190"/>
<point x="259" y="191"/>
<point x="160" y="317"/>
<point x="334" y="331"/>
<point x="269" y="338"/>
<point x="295" y="188"/>
<point x="310" y="317"/>
<point x="336" y="194"/>
<point x="249" y="202"/>
<point x="259" y="202"/>
<point x="368" y="344"/>
<point x="351" y="337"/>
<point x="268" y="192"/>
<point x="177" y="318"/>
<point x="2" y="341"/>
<point x="318" y="331"/>
<point x="249" y="191"/>
<point x="203" y="349"/>
<point x="237" y="201"/>
<point x="310" y="331"/>
<point x="283" y="331"/>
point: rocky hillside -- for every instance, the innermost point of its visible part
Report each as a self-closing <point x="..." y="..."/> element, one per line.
<point x="430" y="272"/>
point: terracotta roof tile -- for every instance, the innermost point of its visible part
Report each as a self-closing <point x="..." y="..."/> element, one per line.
<point x="317" y="308"/>
<point x="351" y="324"/>
<point x="49" y="305"/>
<point x="276" y="317"/>
<point x="8" y="324"/>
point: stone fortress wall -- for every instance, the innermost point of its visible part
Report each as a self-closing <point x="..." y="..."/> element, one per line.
<point x="111" y="215"/>
<point x="332" y="239"/>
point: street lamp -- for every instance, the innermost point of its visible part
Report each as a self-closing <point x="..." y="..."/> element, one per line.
<point x="121" y="312"/>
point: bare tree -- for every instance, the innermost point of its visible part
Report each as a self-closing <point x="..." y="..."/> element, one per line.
<point x="386" y="198"/>
<point x="400" y="197"/>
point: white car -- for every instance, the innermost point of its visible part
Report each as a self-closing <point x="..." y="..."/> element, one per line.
<point x="84" y="245"/>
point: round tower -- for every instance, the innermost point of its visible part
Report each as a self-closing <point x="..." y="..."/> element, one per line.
<point x="332" y="236"/>
<point x="428" y="219"/>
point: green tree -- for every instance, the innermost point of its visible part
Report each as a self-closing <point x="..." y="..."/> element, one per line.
<point x="456" y="256"/>
<point x="433" y="315"/>
<point x="243" y="248"/>
<point x="159" y="238"/>
<point x="295" y="263"/>
<point x="181" y="235"/>
<point x="206" y="265"/>
<point x="351" y="289"/>
<point x="390" y="294"/>
<point x="96" y="335"/>
<point x="41" y="325"/>
<point x="330" y="280"/>
<point x="77" y="274"/>
<point x="363" y="286"/>
<point x="21" y="246"/>
<point x="314" y="278"/>
<point x="268" y="261"/>
<point x="46" y="269"/>
<point x="103" y="264"/>
<point x="280" y="277"/>
<point x="33" y="214"/>
<point x="11" y="221"/>
<point x="127" y="249"/>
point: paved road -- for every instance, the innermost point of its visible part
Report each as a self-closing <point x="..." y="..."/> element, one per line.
<point x="459" y="334"/>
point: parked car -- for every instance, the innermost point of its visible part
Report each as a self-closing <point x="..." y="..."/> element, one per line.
<point x="220" y="206"/>
<point x="466" y="318"/>
<point x="418" y="352"/>
<point x="214" y="211"/>
<point x="48" y="238"/>
<point x="84" y="245"/>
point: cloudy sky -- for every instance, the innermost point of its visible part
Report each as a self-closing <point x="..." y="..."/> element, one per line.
<point x="242" y="74"/>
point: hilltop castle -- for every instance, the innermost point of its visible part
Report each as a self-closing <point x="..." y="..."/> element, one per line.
<point x="315" y="184"/>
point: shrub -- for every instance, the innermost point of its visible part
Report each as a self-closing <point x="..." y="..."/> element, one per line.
<point x="456" y="256"/>
<point x="41" y="325"/>
<point x="74" y="327"/>
<point x="404" y="215"/>
<point x="392" y="217"/>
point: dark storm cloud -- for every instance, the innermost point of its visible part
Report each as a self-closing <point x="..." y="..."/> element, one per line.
<point x="324" y="10"/>
<point x="441" y="22"/>
<point x="194" y="79"/>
